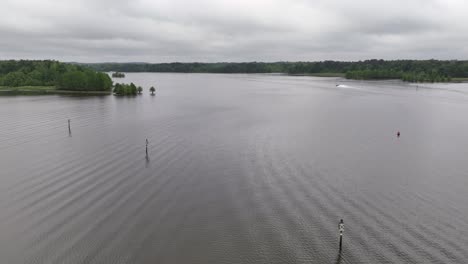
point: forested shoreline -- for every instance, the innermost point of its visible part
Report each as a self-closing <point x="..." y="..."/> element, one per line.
<point x="48" y="73"/>
<point x="91" y="76"/>
<point x="407" y="70"/>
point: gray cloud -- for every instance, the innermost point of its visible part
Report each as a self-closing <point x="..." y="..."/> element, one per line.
<point x="242" y="30"/>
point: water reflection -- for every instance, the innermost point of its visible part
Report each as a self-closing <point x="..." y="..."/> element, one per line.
<point x="147" y="160"/>
<point x="339" y="257"/>
<point x="245" y="164"/>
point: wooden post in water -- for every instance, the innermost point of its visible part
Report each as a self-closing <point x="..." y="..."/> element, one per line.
<point x="146" y="147"/>
<point x="69" y="129"/>
<point x="341" y="229"/>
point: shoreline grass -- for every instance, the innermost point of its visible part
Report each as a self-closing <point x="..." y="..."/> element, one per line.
<point x="319" y="74"/>
<point x="45" y="90"/>
<point x="327" y="74"/>
<point x="459" y="80"/>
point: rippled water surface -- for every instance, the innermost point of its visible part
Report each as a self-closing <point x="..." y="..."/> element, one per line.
<point x="241" y="169"/>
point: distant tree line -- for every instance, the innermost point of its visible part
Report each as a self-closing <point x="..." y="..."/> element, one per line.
<point x="52" y="73"/>
<point x="407" y="70"/>
<point x="248" y="67"/>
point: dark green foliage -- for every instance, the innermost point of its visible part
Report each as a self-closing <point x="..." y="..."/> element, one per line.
<point x="118" y="75"/>
<point x="408" y="70"/>
<point x="139" y="89"/>
<point x="52" y="73"/>
<point x="125" y="89"/>
<point x="73" y="80"/>
<point x="433" y="76"/>
<point x="15" y="79"/>
<point x="152" y="90"/>
<point x="248" y="67"/>
<point x="84" y="80"/>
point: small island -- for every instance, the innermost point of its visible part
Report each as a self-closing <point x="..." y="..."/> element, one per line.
<point x="51" y="77"/>
<point x="118" y="75"/>
<point x="127" y="89"/>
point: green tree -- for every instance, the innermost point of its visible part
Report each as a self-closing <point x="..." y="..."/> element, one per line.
<point x="125" y="89"/>
<point x="73" y="80"/>
<point x="152" y="90"/>
<point x="132" y="89"/>
<point x="15" y="79"/>
<point x="49" y="73"/>
<point x="118" y="89"/>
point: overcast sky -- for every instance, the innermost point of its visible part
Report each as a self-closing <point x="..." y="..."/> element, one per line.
<point x="240" y="30"/>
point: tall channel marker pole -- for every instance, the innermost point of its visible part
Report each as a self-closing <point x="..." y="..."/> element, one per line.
<point x="341" y="229"/>
<point x="147" y="147"/>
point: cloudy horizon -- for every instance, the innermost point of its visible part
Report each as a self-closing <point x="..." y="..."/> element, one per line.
<point x="232" y="31"/>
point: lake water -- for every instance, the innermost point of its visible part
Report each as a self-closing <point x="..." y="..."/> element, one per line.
<point x="241" y="169"/>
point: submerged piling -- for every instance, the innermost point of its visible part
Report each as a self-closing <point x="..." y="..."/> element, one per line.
<point x="69" y="128"/>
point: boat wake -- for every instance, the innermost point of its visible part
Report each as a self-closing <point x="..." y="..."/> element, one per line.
<point x="343" y="86"/>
